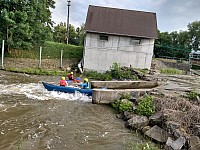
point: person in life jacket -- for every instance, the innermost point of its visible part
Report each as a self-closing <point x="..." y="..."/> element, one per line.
<point x="85" y="84"/>
<point x="71" y="76"/>
<point x="63" y="82"/>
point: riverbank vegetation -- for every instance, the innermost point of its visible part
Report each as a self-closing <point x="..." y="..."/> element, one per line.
<point x="172" y="116"/>
<point x="50" y="50"/>
<point x="117" y="72"/>
<point x="171" y="71"/>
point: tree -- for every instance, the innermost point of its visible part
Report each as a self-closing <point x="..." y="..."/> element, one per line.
<point x="60" y="33"/>
<point x="194" y="34"/>
<point x="25" y="22"/>
<point x="76" y="35"/>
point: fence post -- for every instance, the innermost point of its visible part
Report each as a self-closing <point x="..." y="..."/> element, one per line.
<point x="40" y="58"/>
<point x="61" y="56"/>
<point x="2" y="55"/>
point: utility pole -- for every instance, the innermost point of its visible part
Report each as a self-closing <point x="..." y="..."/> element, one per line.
<point x="68" y="5"/>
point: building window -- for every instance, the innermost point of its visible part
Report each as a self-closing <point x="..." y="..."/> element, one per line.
<point x="135" y="41"/>
<point x="104" y="37"/>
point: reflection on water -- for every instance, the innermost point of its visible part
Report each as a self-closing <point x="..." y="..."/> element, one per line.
<point x="33" y="118"/>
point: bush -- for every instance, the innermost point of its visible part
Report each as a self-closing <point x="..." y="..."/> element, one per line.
<point x="122" y="105"/>
<point x="193" y="95"/>
<point x="145" y="106"/>
<point x="118" y="72"/>
<point x="115" y="72"/>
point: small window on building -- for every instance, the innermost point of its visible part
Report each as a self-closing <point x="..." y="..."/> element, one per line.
<point x="135" y="41"/>
<point x="104" y="37"/>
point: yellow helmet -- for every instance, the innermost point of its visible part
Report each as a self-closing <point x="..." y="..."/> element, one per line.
<point x="86" y="79"/>
<point x="71" y="73"/>
<point x="63" y="78"/>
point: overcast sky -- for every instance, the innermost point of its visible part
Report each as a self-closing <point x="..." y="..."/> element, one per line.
<point x="172" y="15"/>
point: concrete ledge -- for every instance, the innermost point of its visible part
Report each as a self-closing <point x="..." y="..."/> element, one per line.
<point x="124" y="84"/>
<point x="106" y="96"/>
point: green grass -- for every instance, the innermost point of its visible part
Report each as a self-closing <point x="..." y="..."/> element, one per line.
<point x="141" y="146"/>
<point x="50" y="50"/>
<point x="171" y="71"/>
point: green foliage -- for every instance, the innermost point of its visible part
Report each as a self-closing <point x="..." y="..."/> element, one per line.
<point x="125" y="96"/>
<point x="122" y="105"/>
<point x="25" y="23"/>
<point x="145" y="106"/>
<point x="171" y="71"/>
<point x="194" y="34"/>
<point x="76" y="36"/>
<point x="98" y="76"/>
<point x="142" y="146"/>
<point x="50" y="50"/>
<point x="192" y="95"/>
<point x="118" y="72"/>
<point x="196" y="67"/>
<point x="115" y="72"/>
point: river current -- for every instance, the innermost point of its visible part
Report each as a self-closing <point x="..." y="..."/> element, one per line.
<point x="32" y="118"/>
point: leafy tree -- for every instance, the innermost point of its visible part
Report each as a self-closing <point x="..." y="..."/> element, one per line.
<point x="25" y="22"/>
<point x="60" y="33"/>
<point x="76" y="35"/>
<point x="194" y="34"/>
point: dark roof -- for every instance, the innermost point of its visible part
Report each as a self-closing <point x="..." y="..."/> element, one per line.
<point x="121" y="22"/>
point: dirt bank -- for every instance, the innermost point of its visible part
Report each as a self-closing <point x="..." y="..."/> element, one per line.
<point x="50" y="64"/>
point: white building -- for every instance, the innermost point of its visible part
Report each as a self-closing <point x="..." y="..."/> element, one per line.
<point x="118" y="35"/>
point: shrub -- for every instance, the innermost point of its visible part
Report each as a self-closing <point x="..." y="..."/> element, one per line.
<point x="122" y="105"/>
<point x="145" y="106"/>
<point x="125" y="96"/>
<point x="193" y="95"/>
<point x="115" y="72"/>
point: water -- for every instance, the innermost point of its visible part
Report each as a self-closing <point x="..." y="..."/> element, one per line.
<point x="32" y="118"/>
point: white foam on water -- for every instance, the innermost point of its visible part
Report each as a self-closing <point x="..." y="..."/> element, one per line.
<point x="38" y="92"/>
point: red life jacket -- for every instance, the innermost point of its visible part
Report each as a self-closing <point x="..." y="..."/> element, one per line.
<point x="63" y="83"/>
<point x="71" y="77"/>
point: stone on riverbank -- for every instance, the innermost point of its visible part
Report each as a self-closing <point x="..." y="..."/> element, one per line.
<point x="137" y="122"/>
<point x="157" y="134"/>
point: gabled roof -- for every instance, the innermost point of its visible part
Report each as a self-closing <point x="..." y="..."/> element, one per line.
<point x="121" y="22"/>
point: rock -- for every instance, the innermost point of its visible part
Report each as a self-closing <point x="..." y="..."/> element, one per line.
<point x="177" y="144"/>
<point x="196" y="129"/>
<point x="128" y="115"/>
<point x="137" y="122"/>
<point x="194" y="143"/>
<point x="171" y="126"/>
<point x="120" y="116"/>
<point x="156" y="119"/>
<point x="157" y="134"/>
<point x="178" y="133"/>
<point x="145" y="129"/>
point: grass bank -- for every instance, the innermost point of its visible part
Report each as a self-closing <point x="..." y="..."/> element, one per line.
<point x="50" y="50"/>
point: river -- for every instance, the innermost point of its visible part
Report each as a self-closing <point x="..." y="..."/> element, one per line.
<point x="32" y="118"/>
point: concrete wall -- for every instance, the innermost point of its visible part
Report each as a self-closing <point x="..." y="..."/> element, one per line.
<point x="124" y="84"/>
<point x="100" y="55"/>
<point x="106" y="96"/>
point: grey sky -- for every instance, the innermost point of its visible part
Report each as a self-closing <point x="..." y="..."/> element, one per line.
<point x="172" y="15"/>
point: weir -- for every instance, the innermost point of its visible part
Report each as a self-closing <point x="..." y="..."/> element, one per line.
<point x="105" y="92"/>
